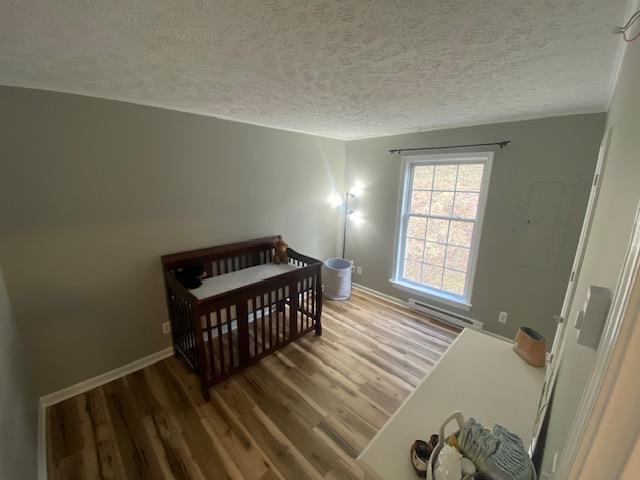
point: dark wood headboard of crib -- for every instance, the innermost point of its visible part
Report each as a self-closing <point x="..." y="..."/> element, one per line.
<point x="225" y="258"/>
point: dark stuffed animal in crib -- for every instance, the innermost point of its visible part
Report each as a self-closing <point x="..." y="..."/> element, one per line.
<point x="281" y="252"/>
<point x="190" y="276"/>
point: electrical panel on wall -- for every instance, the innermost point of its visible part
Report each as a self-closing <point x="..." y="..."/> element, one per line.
<point x="540" y="225"/>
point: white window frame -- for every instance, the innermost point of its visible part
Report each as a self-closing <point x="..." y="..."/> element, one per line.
<point x="402" y="218"/>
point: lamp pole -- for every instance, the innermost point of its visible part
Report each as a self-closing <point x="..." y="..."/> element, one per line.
<point x="347" y="212"/>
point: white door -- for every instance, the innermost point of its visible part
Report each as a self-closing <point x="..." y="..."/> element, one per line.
<point x="562" y="318"/>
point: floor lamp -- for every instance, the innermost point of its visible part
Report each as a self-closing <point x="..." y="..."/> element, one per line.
<point x="347" y="213"/>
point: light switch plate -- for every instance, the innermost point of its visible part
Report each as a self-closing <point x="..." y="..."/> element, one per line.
<point x="594" y="316"/>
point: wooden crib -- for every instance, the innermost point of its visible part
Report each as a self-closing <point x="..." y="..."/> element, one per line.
<point x="246" y="308"/>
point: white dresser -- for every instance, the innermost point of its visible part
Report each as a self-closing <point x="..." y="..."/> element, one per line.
<point x="479" y="375"/>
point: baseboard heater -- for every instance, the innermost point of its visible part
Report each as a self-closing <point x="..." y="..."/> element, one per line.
<point x="444" y="315"/>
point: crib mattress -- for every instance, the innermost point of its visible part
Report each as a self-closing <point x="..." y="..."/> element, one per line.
<point x="240" y="278"/>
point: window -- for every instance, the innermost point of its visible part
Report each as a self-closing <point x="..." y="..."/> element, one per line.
<point x="440" y="222"/>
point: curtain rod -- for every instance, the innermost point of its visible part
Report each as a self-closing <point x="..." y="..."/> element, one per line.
<point x="501" y="144"/>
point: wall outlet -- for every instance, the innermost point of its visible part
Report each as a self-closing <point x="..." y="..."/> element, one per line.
<point x="502" y="317"/>
<point x="359" y="270"/>
<point x="166" y="328"/>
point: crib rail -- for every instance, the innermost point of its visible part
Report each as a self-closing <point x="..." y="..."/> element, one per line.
<point x="226" y="258"/>
<point x="241" y="328"/>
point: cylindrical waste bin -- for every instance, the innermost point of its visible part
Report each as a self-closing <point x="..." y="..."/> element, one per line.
<point x="337" y="278"/>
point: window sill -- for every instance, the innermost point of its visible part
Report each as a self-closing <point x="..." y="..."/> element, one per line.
<point x="434" y="295"/>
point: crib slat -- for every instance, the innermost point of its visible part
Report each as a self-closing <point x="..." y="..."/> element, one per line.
<point x="270" y="295"/>
<point x="189" y="326"/>
<point x="212" y="362"/>
<point x="293" y="308"/>
<point x="305" y="316"/>
<point x="183" y="319"/>
<point x="229" y="336"/>
<point x="192" y="331"/>
<point x="243" y="331"/>
<point x="260" y="310"/>
<point x="310" y="301"/>
<point x="262" y="334"/>
<point x="220" y="342"/>
<point x="301" y="302"/>
<point x="284" y="314"/>
<point x="262" y="320"/>
<point x="181" y="314"/>
<point x="255" y="336"/>
<point x="306" y="303"/>
<point x="269" y="314"/>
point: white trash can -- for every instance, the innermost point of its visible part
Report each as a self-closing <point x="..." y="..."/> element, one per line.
<point x="337" y="278"/>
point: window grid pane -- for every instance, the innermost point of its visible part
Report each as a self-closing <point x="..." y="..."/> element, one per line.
<point x="441" y="225"/>
<point x="432" y="276"/>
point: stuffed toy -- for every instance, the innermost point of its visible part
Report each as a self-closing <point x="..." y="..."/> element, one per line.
<point x="190" y="276"/>
<point x="281" y="252"/>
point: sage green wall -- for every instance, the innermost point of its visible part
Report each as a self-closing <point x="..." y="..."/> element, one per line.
<point x="18" y="403"/>
<point x="604" y="255"/>
<point x="93" y="192"/>
<point x="553" y="149"/>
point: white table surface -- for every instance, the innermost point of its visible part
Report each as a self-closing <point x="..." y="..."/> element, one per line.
<point x="479" y="375"/>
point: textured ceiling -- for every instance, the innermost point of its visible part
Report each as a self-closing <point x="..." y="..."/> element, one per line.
<point x="343" y="69"/>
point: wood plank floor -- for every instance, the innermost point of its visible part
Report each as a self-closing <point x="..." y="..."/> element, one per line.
<point x="305" y="411"/>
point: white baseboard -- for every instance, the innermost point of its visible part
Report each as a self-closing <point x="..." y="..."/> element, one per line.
<point x="82" y="387"/>
<point x="380" y="295"/>
<point x="397" y="301"/>
<point x="106" y="377"/>
<point x="401" y="303"/>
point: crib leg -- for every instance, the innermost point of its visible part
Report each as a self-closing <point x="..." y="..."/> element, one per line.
<point x="204" y="384"/>
<point x="205" y="391"/>
<point x="318" y="294"/>
<point x="319" y="319"/>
